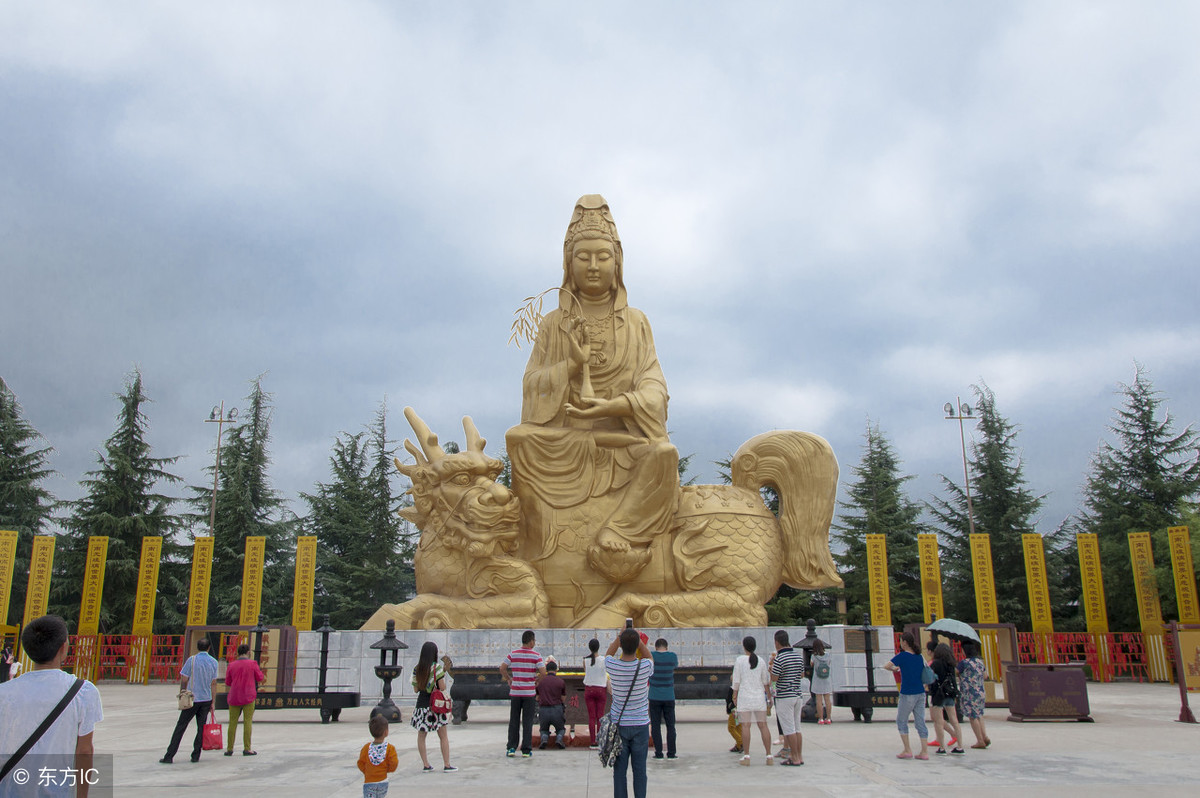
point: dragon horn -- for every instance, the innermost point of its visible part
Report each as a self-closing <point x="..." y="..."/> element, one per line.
<point x="427" y="439"/>
<point x="475" y="443"/>
<point x="407" y="471"/>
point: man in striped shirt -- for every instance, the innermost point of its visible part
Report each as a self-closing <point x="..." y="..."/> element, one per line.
<point x="521" y="670"/>
<point x="629" y="686"/>
<point x="787" y="675"/>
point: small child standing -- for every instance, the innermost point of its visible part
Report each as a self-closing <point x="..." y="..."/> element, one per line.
<point x="377" y="759"/>
<point x="735" y="726"/>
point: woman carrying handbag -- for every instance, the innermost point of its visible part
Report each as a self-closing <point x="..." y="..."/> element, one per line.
<point x="430" y="714"/>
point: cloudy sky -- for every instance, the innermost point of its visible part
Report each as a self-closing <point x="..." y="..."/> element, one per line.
<point x="831" y="213"/>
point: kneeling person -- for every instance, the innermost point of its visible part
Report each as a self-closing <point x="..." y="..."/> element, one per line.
<point x="550" y="692"/>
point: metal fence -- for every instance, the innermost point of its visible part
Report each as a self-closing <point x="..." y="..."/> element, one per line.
<point x="1119" y="655"/>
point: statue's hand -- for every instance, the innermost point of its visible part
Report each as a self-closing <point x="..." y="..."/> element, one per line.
<point x="579" y="346"/>
<point x="599" y="408"/>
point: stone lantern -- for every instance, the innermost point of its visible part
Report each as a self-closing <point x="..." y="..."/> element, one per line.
<point x="387" y="671"/>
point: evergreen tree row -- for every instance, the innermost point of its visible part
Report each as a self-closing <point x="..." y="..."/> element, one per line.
<point x="364" y="548"/>
<point x="1145" y="478"/>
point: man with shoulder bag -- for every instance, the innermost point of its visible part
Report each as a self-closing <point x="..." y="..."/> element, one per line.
<point x="629" y="685"/>
<point x="200" y="671"/>
<point x="47" y="717"/>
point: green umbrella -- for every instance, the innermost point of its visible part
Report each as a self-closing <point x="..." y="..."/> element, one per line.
<point x="955" y="630"/>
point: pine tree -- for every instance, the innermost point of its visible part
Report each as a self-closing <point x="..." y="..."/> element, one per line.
<point x="1004" y="509"/>
<point x="364" y="548"/>
<point x="122" y="504"/>
<point x="1145" y="482"/>
<point x="25" y="506"/>
<point x="248" y="506"/>
<point x="878" y="505"/>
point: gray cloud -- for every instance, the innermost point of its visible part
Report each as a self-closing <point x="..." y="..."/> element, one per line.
<point x="828" y="214"/>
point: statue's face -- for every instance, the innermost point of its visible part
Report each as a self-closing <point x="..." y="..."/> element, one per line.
<point x="593" y="264"/>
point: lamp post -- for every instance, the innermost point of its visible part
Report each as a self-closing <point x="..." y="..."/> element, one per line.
<point x="218" y="417"/>
<point x="964" y="413"/>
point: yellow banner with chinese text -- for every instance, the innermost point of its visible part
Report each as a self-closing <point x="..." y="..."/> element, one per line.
<point x="147" y="586"/>
<point x="985" y="583"/>
<point x="306" y="572"/>
<point x="8" y="563"/>
<point x="1035" y="581"/>
<point x="93" y="585"/>
<point x="931" y="577"/>
<point x="1185" y="575"/>
<point x="1145" y="582"/>
<point x="252" y="579"/>
<point x="1093" y="583"/>
<point x="877" y="580"/>
<point x="202" y="554"/>
<point x="37" y="591"/>
<point x="41" y="565"/>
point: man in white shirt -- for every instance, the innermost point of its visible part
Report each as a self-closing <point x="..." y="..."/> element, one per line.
<point x="27" y="701"/>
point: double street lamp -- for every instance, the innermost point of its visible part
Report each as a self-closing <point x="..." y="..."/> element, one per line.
<point x="219" y="417"/>
<point x="964" y="413"/>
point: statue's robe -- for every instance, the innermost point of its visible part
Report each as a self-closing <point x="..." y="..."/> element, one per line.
<point x="626" y="463"/>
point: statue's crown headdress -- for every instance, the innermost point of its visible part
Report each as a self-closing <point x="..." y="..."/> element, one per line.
<point x="591" y="216"/>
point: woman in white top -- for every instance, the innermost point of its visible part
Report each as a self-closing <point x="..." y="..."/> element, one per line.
<point x="751" y="676"/>
<point x="595" y="689"/>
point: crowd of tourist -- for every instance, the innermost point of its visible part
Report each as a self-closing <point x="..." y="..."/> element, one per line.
<point x="636" y="683"/>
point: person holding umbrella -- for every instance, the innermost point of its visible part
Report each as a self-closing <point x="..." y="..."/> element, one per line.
<point x="971" y="671"/>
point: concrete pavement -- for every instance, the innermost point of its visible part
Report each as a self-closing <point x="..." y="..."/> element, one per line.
<point x="1135" y="744"/>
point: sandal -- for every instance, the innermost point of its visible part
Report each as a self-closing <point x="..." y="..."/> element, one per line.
<point x="923" y="757"/>
<point x="905" y="755"/>
<point x="745" y="761"/>
<point x="980" y="745"/>
<point x="770" y="759"/>
<point x="790" y="763"/>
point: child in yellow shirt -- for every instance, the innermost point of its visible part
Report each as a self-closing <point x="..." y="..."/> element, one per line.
<point x="377" y="759"/>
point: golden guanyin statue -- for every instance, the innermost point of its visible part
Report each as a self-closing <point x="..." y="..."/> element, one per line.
<point x="593" y="432"/>
<point x="596" y="527"/>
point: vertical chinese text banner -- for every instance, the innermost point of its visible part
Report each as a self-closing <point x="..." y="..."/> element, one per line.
<point x="1035" y="581"/>
<point x="1093" y="583"/>
<point x="306" y="573"/>
<point x="8" y="562"/>
<point x="985" y="584"/>
<point x="1145" y="584"/>
<point x="202" y="554"/>
<point x="931" y="576"/>
<point x="37" y="593"/>
<point x="87" y="647"/>
<point x="877" y="580"/>
<point x="1185" y="575"/>
<point x="141" y="646"/>
<point x="252" y="579"/>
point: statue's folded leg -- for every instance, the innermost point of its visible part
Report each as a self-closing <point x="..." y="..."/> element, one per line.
<point x="649" y="500"/>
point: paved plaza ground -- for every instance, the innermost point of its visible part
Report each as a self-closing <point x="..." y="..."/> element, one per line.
<point x="1135" y="745"/>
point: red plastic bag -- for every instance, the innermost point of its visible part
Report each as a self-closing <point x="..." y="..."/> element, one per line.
<point x="211" y="738"/>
